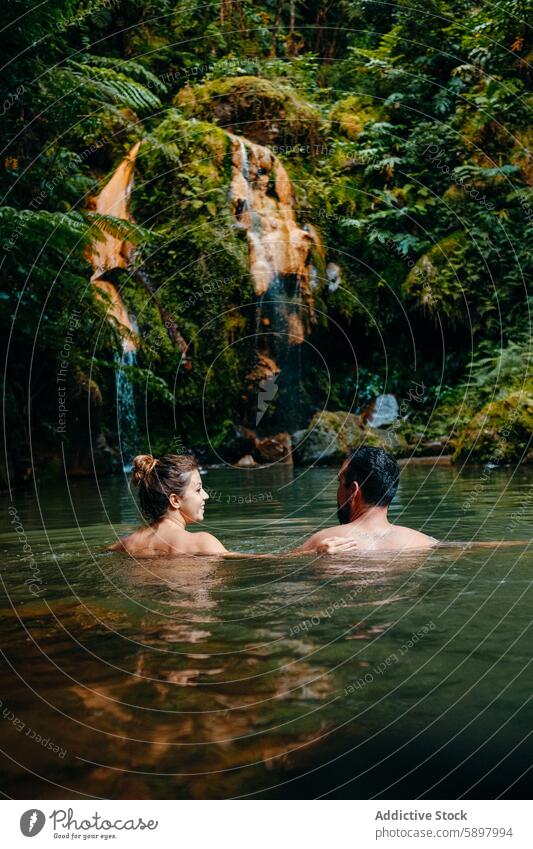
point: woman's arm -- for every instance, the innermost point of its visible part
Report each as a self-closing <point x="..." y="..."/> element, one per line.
<point x="331" y="545"/>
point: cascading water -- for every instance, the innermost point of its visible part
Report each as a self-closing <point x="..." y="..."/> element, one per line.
<point x="107" y="255"/>
<point x="279" y="259"/>
<point x="127" y="429"/>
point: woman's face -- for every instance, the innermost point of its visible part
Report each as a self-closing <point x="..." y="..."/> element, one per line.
<point x="193" y="499"/>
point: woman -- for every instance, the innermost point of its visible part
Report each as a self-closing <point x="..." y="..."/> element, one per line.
<point x="172" y="497"/>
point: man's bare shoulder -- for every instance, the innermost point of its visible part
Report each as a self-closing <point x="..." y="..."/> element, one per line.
<point x="327" y="533"/>
<point x="402" y="537"/>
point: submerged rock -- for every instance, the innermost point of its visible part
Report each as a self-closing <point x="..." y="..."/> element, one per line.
<point x="243" y="447"/>
<point x="246" y="461"/>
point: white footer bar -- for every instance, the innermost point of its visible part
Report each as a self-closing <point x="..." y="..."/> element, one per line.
<point x="266" y="824"/>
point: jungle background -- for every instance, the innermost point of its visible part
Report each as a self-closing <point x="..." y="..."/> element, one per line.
<point x="405" y="128"/>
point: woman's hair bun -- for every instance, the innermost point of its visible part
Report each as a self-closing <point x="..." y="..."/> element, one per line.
<point x="143" y="464"/>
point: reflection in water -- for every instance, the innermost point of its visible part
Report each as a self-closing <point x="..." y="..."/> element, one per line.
<point x="286" y="677"/>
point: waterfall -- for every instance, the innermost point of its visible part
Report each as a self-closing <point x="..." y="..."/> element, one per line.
<point x="264" y="206"/>
<point x="245" y="170"/>
<point x="127" y="428"/>
<point x="279" y="252"/>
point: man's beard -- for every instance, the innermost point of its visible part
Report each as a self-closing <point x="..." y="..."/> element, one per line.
<point x="343" y="513"/>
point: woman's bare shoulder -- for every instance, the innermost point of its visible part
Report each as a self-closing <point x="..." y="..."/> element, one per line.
<point x="201" y="543"/>
<point x="138" y="542"/>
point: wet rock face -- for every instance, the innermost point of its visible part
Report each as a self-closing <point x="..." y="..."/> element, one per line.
<point x="239" y="443"/>
<point x="279" y="255"/>
<point x="87" y="452"/>
<point x="263" y="205"/>
<point x="274" y="449"/>
<point x="245" y="448"/>
<point x="112" y="252"/>
<point x="99" y="460"/>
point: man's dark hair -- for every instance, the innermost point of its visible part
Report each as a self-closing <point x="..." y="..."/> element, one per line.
<point x="377" y="473"/>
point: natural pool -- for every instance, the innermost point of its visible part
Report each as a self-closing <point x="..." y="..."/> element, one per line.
<point x="280" y="677"/>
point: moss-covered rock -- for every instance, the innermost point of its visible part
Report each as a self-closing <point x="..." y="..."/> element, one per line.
<point x="500" y="433"/>
<point x="330" y="437"/>
<point x="198" y="268"/>
<point x="349" y="116"/>
<point x="266" y="112"/>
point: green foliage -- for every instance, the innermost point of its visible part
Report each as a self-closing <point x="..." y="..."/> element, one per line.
<point x="407" y="137"/>
<point x="498" y="372"/>
<point x="200" y="263"/>
<point x="101" y="82"/>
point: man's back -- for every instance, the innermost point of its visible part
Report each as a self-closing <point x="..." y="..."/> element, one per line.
<point x="374" y="538"/>
<point x="368" y="481"/>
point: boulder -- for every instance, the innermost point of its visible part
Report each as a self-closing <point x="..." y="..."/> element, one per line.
<point x="266" y="112"/>
<point x="233" y="442"/>
<point x="500" y="433"/>
<point x="331" y="437"/>
<point x="392" y="439"/>
<point x="384" y="410"/>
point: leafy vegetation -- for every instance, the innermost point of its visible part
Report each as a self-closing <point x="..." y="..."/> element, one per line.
<point x="405" y="129"/>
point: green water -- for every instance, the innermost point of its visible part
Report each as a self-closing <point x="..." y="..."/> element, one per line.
<point x="346" y="677"/>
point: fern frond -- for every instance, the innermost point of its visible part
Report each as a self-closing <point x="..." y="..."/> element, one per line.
<point x="106" y="83"/>
<point x="101" y="225"/>
<point x="129" y="67"/>
<point x="59" y="230"/>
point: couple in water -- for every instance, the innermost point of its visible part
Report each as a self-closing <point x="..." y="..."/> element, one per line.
<point x="172" y="497"/>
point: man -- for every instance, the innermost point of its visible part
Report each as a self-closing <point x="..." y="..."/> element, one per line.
<point x="368" y="481"/>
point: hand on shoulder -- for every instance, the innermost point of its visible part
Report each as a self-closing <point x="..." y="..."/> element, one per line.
<point x="328" y="541"/>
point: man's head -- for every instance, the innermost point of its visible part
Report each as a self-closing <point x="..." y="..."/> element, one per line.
<point x="369" y="478"/>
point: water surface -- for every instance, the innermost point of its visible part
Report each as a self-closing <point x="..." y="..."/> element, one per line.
<point x="350" y="677"/>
